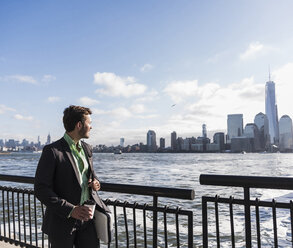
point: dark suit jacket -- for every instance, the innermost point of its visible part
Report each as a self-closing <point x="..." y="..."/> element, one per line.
<point x="57" y="186"/>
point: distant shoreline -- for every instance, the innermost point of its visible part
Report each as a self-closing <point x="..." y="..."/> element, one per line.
<point x="197" y="152"/>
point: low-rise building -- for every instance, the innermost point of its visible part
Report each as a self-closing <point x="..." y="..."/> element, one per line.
<point x="213" y="147"/>
<point x="242" y="144"/>
<point x="197" y="147"/>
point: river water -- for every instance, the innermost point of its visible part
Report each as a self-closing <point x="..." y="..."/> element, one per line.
<point x="176" y="171"/>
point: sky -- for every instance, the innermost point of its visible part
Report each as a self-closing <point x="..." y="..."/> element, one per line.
<point x="141" y="65"/>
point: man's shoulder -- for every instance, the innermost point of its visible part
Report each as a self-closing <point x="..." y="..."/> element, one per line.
<point x="86" y="144"/>
<point x="56" y="144"/>
<point x="88" y="147"/>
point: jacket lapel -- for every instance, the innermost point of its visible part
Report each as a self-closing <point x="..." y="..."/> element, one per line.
<point x="89" y="158"/>
<point x="71" y="159"/>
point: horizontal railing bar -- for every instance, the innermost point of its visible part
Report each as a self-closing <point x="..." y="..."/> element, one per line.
<point x="251" y="202"/>
<point x="148" y="207"/>
<point x="187" y="194"/>
<point x="16" y="190"/>
<point x="17" y="179"/>
<point x="247" y="181"/>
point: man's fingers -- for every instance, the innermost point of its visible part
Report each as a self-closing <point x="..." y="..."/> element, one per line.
<point x="95" y="184"/>
<point x="86" y="211"/>
<point x="82" y="213"/>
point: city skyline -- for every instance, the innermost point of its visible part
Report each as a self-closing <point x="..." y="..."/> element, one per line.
<point x="237" y="129"/>
<point x="141" y="66"/>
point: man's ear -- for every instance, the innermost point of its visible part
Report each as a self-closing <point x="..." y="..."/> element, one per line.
<point x="79" y="125"/>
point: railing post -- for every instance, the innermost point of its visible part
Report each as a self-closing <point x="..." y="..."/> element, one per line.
<point x="247" y="217"/>
<point x="190" y="230"/>
<point x="204" y="223"/>
<point x="155" y="222"/>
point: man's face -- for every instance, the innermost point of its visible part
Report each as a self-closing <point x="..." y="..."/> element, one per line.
<point x="84" y="132"/>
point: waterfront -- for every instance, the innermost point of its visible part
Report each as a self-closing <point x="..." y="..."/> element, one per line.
<point x="169" y="170"/>
<point x="173" y="170"/>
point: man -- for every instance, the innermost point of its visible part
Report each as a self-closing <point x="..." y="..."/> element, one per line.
<point x="63" y="182"/>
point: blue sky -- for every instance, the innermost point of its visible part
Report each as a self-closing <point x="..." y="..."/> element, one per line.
<point x="130" y="61"/>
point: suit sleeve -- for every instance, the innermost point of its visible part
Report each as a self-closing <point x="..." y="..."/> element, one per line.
<point x="44" y="180"/>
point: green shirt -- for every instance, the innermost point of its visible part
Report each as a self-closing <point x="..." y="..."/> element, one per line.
<point x="82" y="164"/>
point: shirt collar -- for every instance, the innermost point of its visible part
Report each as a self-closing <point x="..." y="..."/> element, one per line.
<point x="70" y="141"/>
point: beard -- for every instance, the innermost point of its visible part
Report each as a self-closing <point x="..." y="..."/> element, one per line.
<point x="84" y="133"/>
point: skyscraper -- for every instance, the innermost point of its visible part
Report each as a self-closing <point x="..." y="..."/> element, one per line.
<point x="151" y="141"/>
<point x="272" y="112"/>
<point x="235" y="126"/>
<point x="286" y="134"/>
<point x="204" y="130"/>
<point x="251" y="131"/>
<point x="261" y="121"/>
<point x="48" y="139"/>
<point x="173" y="141"/>
<point x="122" y="142"/>
<point x="162" y="143"/>
<point x="219" y="138"/>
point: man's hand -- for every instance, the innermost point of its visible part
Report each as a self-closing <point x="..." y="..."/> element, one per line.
<point x="95" y="185"/>
<point x="81" y="213"/>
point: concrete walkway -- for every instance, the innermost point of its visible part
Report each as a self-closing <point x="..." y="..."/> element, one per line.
<point x="6" y="245"/>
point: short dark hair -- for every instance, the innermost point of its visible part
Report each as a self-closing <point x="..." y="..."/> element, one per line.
<point x="74" y="114"/>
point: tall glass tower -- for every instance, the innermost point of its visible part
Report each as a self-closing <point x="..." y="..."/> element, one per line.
<point x="286" y="134"/>
<point x="261" y="120"/>
<point x="151" y="141"/>
<point x="235" y="126"/>
<point x="173" y="141"/>
<point x="272" y="112"/>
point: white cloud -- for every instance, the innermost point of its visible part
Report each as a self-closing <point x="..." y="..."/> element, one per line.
<point x="27" y="79"/>
<point x="149" y="96"/>
<point x="88" y="101"/>
<point x="217" y="57"/>
<point x="283" y="78"/>
<point x="19" y="78"/>
<point x="135" y="111"/>
<point x="151" y="116"/>
<point x="137" y="108"/>
<point x="98" y="111"/>
<point x="4" y="109"/>
<point x="115" y="124"/>
<point x="110" y="132"/>
<point x="254" y="49"/>
<point x="114" y="85"/>
<point x="48" y="78"/>
<point x="121" y="113"/>
<point x="146" y="68"/>
<point x="208" y="90"/>
<point x="198" y="109"/>
<point x="21" y="117"/>
<point x="210" y="103"/>
<point x="53" y="99"/>
<point x="179" y="90"/>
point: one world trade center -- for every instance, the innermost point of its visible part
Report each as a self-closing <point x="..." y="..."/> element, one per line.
<point x="272" y="112"/>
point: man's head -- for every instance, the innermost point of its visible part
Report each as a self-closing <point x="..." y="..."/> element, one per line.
<point x="77" y="119"/>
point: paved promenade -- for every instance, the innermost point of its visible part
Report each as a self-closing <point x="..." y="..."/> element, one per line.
<point x="6" y="245"/>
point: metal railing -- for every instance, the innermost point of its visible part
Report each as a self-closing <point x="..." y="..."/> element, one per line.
<point x="151" y="224"/>
<point x="253" y="235"/>
<point x="21" y="216"/>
